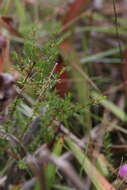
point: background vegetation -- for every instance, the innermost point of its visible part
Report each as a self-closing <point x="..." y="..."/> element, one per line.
<point x="66" y="122"/>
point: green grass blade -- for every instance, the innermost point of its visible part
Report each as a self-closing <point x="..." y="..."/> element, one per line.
<point x="82" y="87"/>
<point x="97" y="56"/>
<point x="62" y="187"/>
<point x="103" y="29"/>
<point x="111" y="107"/>
<point x="20" y="8"/>
<point x="51" y="170"/>
<point x="6" y="6"/>
<point x="97" y="179"/>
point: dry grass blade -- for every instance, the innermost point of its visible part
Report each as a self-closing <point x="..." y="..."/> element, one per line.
<point x="64" y="166"/>
<point x="29" y="184"/>
<point x="7" y="94"/>
<point x="37" y="168"/>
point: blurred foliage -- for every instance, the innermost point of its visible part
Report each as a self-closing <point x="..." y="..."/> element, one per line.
<point x="93" y="109"/>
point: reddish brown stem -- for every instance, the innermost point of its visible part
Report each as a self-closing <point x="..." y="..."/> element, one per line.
<point x="75" y="8"/>
<point x="3" y="46"/>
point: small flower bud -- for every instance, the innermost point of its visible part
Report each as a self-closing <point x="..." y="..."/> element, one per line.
<point x="123" y="172"/>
